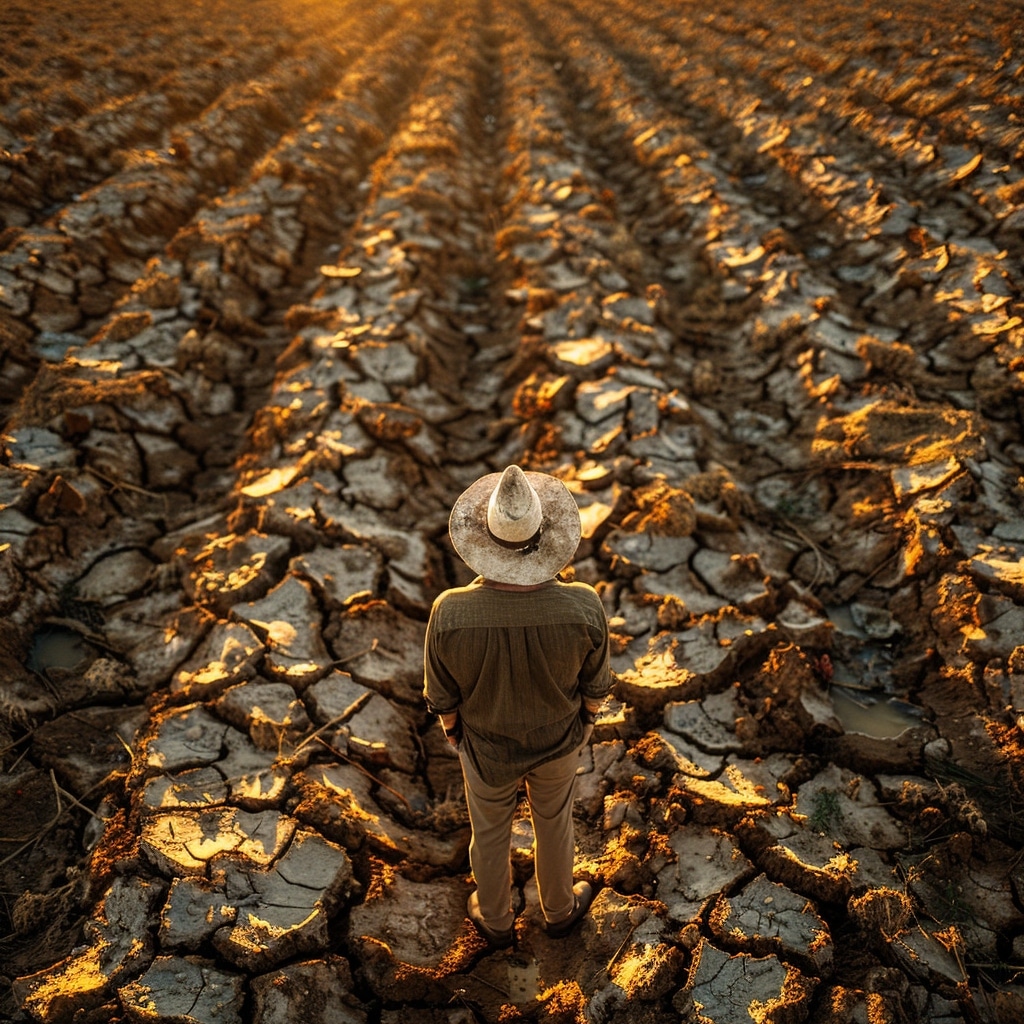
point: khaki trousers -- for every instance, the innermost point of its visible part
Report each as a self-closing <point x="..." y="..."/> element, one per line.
<point x="549" y="790"/>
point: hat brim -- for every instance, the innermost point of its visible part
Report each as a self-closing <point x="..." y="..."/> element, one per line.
<point x="560" y="532"/>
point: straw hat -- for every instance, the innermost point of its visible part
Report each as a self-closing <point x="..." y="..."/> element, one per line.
<point x="516" y="527"/>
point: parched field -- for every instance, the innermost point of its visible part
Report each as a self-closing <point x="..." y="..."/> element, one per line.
<point x="278" y="280"/>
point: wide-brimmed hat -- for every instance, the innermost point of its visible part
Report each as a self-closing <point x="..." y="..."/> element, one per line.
<point x="516" y="527"/>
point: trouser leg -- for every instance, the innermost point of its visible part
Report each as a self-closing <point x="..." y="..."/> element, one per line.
<point x="550" y="789"/>
<point x="491" y="810"/>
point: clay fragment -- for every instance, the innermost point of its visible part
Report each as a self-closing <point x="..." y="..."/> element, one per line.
<point x="188" y="989"/>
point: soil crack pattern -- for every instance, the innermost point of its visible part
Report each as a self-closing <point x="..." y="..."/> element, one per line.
<point x="278" y="281"/>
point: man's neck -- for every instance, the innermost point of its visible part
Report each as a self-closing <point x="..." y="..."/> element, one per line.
<point x="495" y="585"/>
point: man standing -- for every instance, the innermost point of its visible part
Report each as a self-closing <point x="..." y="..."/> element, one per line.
<point x="516" y="667"/>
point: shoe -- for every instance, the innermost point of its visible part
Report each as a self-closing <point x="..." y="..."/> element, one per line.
<point x="496" y="939"/>
<point x="583" y="896"/>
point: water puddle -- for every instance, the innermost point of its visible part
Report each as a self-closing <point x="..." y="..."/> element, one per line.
<point x="862" y="691"/>
<point x="523" y="980"/>
<point x="58" y="647"/>
<point x="871" y="715"/>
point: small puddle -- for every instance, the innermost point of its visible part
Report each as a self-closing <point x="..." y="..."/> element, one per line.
<point x="862" y="690"/>
<point x="872" y="716"/>
<point x="57" y="647"/>
<point x="523" y="980"/>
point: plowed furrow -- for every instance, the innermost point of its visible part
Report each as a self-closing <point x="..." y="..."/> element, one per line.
<point x="879" y="68"/>
<point x="873" y="185"/>
<point x="44" y="173"/>
<point x="704" y="236"/>
<point x="209" y="320"/>
<point x="367" y="386"/>
<point x="885" y="70"/>
<point x="82" y="111"/>
<point x="60" y="284"/>
<point x="862" y="239"/>
<point x="800" y="106"/>
<point x="774" y="295"/>
<point x="60" y="59"/>
<point x="797" y="144"/>
<point x="61" y="62"/>
<point x="65" y="283"/>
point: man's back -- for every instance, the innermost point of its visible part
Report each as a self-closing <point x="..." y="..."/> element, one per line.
<point x="516" y="663"/>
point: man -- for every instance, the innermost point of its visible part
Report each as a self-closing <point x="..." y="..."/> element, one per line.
<point x="516" y="666"/>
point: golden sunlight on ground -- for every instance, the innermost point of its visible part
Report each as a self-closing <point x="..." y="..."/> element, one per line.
<point x="279" y="280"/>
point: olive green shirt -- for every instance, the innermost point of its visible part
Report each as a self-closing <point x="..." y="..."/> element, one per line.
<point x="516" y="666"/>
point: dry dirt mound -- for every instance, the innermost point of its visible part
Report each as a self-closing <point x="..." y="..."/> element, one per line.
<point x="279" y="280"/>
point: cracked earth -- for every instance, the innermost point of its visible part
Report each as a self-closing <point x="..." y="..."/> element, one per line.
<point x="277" y="282"/>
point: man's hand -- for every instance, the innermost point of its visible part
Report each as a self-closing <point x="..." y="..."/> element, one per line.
<point x="452" y="728"/>
<point x="589" y="710"/>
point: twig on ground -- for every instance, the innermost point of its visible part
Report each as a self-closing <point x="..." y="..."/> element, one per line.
<point x="607" y="969"/>
<point x="356" y="654"/>
<point x="4" y="751"/>
<point x="821" y="562"/>
<point x="334" y="721"/>
<point x="355" y="764"/>
<point x="61" y="811"/>
<point x="74" y="800"/>
<point x="122" y="485"/>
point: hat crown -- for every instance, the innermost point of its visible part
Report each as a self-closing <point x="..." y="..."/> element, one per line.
<point x="514" y="510"/>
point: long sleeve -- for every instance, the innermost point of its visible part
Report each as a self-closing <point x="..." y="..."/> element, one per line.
<point x="440" y="690"/>
<point x="595" y="677"/>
